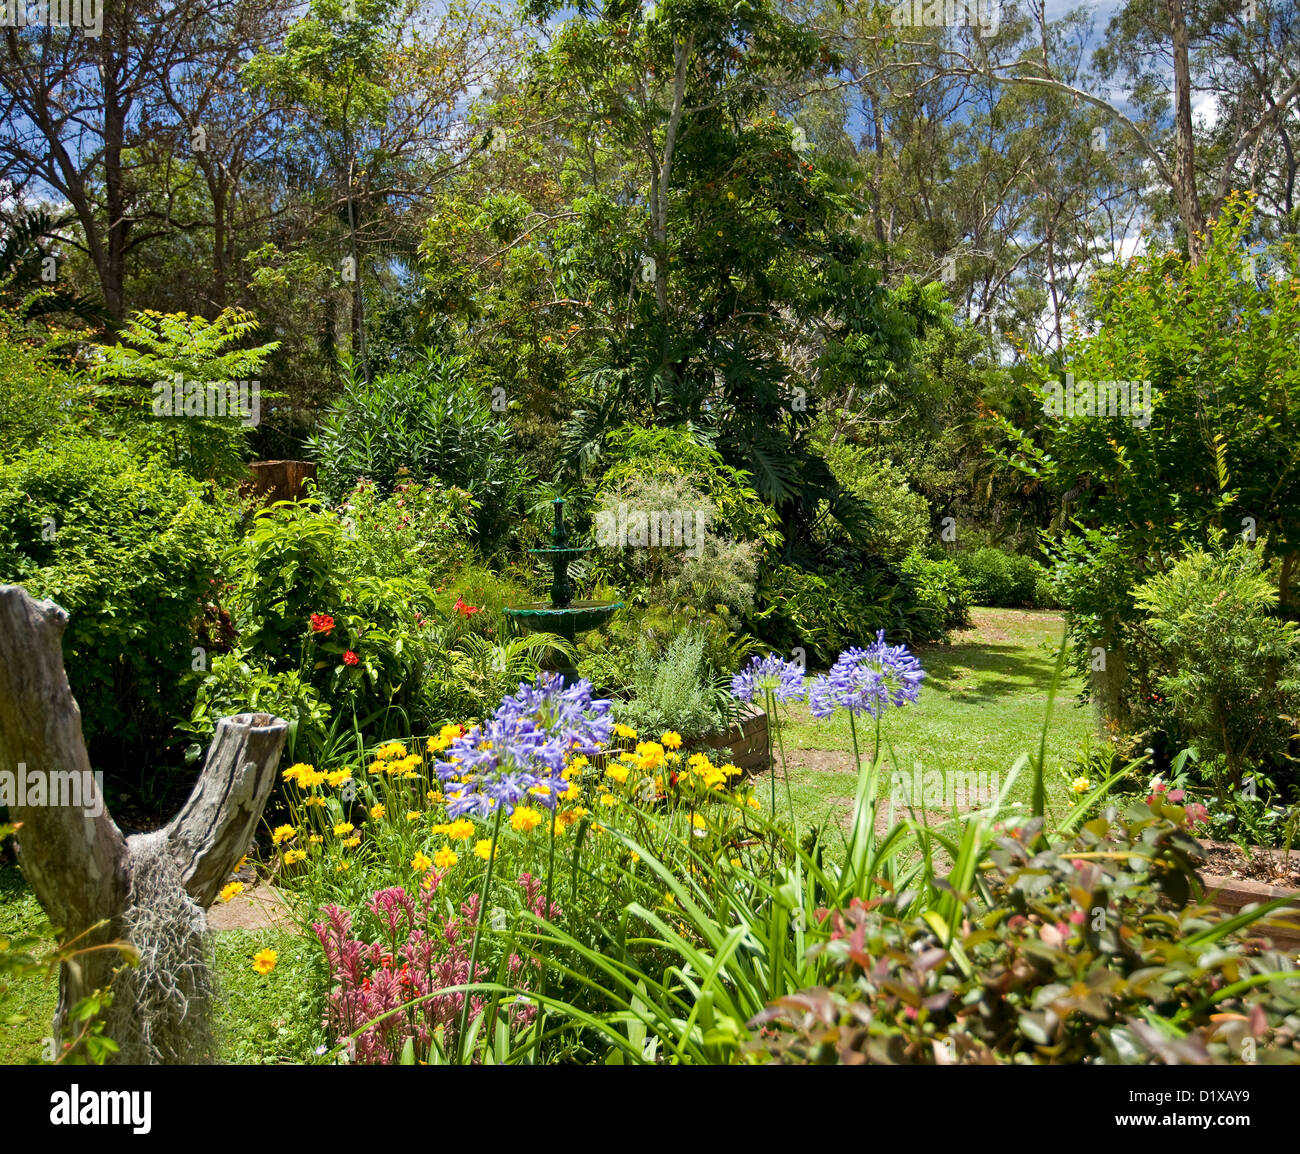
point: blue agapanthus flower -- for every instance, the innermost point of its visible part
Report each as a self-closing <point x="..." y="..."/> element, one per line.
<point x="520" y="752"/>
<point x="866" y="681"/>
<point x="571" y="713"/>
<point x="900" y="670"/>
<point x="763" y="675"/>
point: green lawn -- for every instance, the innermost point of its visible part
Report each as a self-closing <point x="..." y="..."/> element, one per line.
<point x="982" y="705"/>
<point x="260" y="1018"/>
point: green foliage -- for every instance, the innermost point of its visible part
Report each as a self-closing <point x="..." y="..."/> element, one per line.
<point x="39" y="396"/>
<point x="662" y="549"/>
<point x="1230" y="668"/>
<point x="365" y="662"/>
<point x="238" y="683"/>
<point x="673" y="689"/>
<point x="434" y="422"/>
<point x="397" y="652"/>
<point x="900" y="521"/>
<point x="132" y="550"/>
<point x="284" y="569"/>
<point x="1005" y="580"/>
<point x="413" y="531"/>
<point x="941" y="593"/>
<point x="850" y="597"/>
<point x="1095" y="948"/>
<point x="1093" y="576"/>
<point x="153" y="352"/>
<point x="1216" y="341"/>
<point x="820" y="613"/>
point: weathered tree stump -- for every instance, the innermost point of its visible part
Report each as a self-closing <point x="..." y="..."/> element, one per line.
<point x="150" y="889"/>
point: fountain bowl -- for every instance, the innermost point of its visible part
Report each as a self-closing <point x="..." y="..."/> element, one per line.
<point x="575" y="618"/>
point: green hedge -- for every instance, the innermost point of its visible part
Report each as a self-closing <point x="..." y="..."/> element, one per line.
<point x="1006" y="580"/>
<point x="131" y="549"/>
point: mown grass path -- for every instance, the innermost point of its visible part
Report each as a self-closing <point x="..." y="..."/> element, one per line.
<point x="982" y="705"/>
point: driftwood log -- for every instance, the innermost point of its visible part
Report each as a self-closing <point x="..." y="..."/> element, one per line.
<point x="82" y="868"/>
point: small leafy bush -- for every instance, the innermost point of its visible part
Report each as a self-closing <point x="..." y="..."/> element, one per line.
<point x="1230" y="665"/>
<point x="1096" y="948"/>
<point x="237" y="683"/>
<point x="1005" y="580"/>
<point x="338" y="619"/>
<point x="132" y="550"/>
<point x="673" y="690"/>
<point x="942" y="596"/>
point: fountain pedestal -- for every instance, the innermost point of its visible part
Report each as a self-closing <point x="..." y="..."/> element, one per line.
<point x="562" y="615"/>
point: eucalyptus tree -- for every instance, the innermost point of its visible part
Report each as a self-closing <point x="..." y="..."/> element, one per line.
<point x="372" y="94"/>
<point x="1159" y="60"/>
<point x="77" y="105"/>
<point x="1008" y="195"/>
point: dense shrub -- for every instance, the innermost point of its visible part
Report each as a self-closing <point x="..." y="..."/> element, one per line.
<point x="1095" y="949"/>
<point x="900" y="516"/>
<point x="661" y="547"/>
<point x="942" y="596"/>
<point x="37" y="393"/>
<point x="851" y="597"/>
<point x="378" y="613"/>
<point x="1230" y="668"/>
<point x="132" y="550"/>
<point x="432" y="422"/>
<point x="1005" y="580"/>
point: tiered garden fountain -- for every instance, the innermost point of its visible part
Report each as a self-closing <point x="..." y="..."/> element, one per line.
<point x="562" y="615"/>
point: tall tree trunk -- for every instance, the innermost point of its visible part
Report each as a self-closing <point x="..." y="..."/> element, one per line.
<point x="1184" y="171"/>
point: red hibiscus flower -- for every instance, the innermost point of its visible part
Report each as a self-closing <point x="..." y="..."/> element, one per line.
<point x="466" y="610"/>
<point x="350" y="658"/>
<point x="321" y="622"/>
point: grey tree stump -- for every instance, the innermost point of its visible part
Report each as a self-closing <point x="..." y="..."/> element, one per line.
<point x="150" y="889"/>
